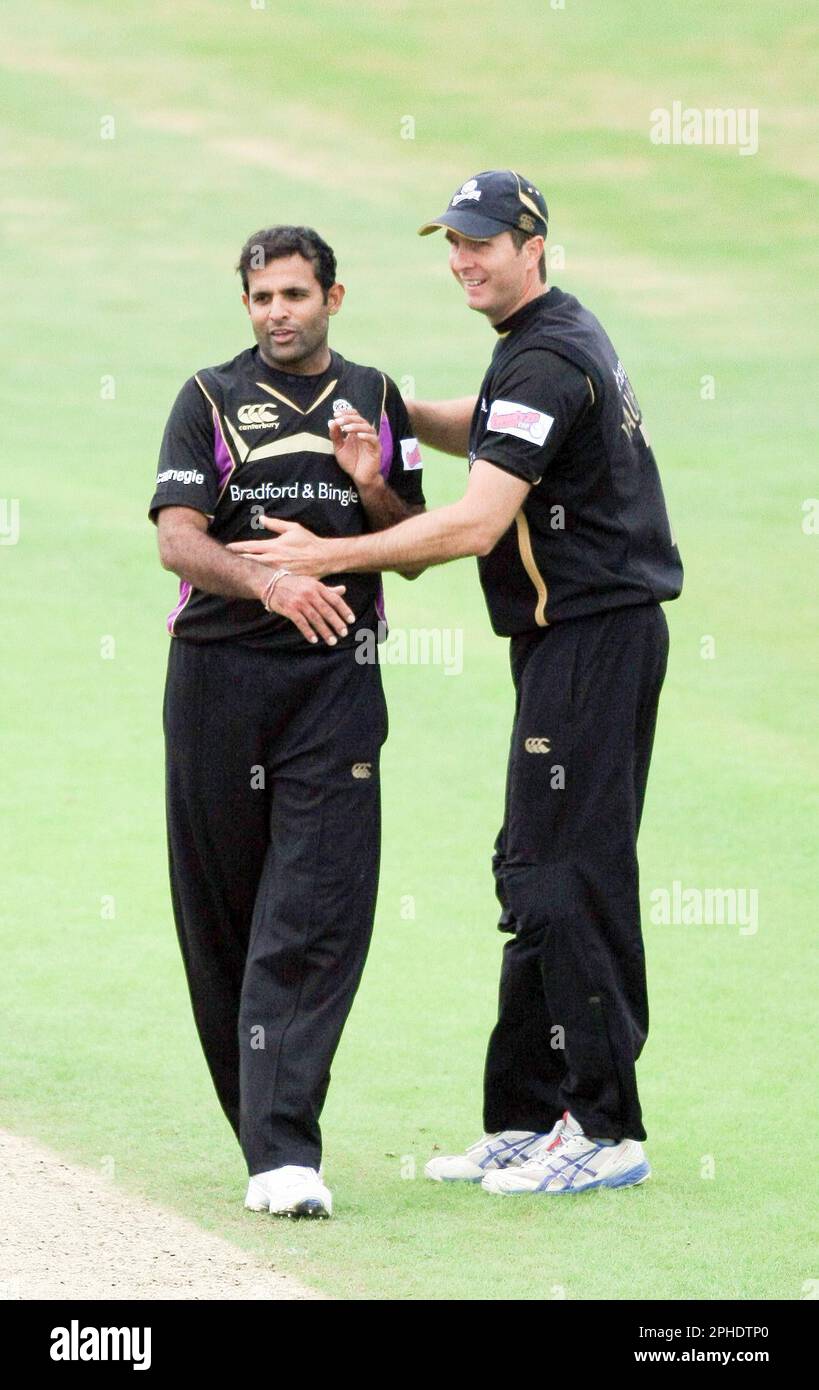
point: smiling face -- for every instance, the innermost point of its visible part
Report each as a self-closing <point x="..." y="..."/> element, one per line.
<point x="497" y="277"/>
<point x="290" y="316"/>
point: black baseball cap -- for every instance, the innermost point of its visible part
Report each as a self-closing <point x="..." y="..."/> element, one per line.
<point x="493" y="202"/>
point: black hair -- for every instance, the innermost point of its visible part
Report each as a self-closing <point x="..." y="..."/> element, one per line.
<point x="272" y="243"/>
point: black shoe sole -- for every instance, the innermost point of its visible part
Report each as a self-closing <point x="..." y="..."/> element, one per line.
<point x="311" y="1210"/>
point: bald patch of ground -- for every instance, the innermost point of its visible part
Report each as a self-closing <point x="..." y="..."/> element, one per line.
<point x="70" y="1233"/>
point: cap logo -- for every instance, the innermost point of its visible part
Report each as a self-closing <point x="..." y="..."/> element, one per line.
<point x="526" y="222"/>
<point x="468" y="190"/>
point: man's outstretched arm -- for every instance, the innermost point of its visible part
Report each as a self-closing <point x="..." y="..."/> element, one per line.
<point x="443" y="425"/>
<point x="471" y="526"/>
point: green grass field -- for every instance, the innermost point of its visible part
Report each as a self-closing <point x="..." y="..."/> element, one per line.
<point x="118" y="256"/>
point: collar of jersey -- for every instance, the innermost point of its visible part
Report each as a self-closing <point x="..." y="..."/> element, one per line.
<point x="529" y="311"/>
<point x="279" y="381"/>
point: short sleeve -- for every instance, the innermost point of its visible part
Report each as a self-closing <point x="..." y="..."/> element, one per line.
<point x="537" y="398"/>
<point x="187" y="474"/>
<point x="401" y="463"/>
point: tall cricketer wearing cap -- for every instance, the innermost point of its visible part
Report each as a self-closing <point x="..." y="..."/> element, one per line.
<point x="565" y="512"/>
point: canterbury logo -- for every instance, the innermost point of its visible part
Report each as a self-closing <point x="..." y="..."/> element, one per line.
<point x="257" y="416"/>
<point x="362" y="769"/>
<point x="537" y="745"/>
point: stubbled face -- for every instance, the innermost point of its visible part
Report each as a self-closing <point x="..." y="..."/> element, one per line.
<point x="496" y="277"/>
<point x="289" y="315"/>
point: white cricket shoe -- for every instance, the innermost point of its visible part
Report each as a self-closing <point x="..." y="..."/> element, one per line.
<point x="290" y="1191"/>
<point x="570" y="1162"/>
<point x="491" y="1151"/>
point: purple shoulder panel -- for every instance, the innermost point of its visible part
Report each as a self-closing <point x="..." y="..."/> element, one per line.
<point x="221" y="457"/>
<point x="386" y="441"/>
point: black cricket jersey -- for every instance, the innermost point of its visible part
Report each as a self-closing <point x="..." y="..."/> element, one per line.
<point x="243" y="439"/>
<point x="556" y="408"/>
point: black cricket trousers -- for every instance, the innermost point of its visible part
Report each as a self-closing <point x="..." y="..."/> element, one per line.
<point x="573" y="1012"/>
<point x="273" y="809"/>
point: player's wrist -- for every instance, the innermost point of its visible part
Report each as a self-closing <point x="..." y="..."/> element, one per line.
<point x="271" y="586"/>
<point x="372" y="487"/>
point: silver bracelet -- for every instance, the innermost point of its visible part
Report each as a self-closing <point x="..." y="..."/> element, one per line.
<point x="268" y="593"/>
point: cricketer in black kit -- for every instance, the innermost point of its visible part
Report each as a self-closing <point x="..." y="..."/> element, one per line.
<point x="565" y="510"/>
<point x="273" y="727"/>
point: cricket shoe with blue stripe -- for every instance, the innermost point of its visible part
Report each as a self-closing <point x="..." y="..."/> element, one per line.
<point x="571" y="1162"/>
<point x="490" y="1153"/>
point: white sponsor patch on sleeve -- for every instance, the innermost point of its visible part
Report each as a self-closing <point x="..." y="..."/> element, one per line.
<point x="510" y="417"/>
<point x="411" y="454"/>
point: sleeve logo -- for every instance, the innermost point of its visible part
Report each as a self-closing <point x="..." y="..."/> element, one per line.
<point x="510" y="417"/>
<point x="179" y="475"/>
<point x="411" y="454"/>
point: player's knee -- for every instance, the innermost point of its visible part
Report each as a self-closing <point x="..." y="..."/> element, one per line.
<point x="541" y="896"/>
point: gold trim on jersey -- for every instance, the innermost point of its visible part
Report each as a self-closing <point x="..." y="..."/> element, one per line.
<point x="528" y="559"/>
<point x="302" y="443"/>
<point x="281" y="397"/>
<point x="325" y="393"/>
<point x="242" y="449"/>
<point x="218" y="420"/>
<point x="591" y="389"/>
